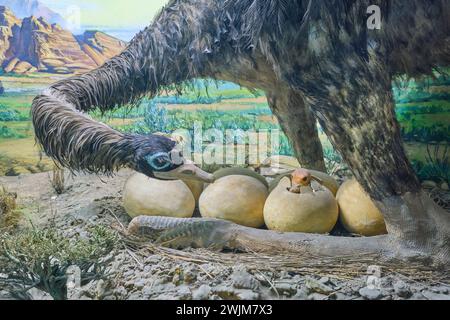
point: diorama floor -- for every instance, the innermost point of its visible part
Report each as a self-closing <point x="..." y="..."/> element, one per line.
<point x="152" y="272"/>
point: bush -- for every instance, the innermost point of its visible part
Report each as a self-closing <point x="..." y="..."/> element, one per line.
<point x="7" y="114"/>
<point x="41" y="258"/>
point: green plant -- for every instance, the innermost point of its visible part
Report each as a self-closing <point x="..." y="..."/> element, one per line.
<point x="40" y="258"/>
<point x="437" y="166"/>
<point x="8" y="133"/>
<point x="9" y="215"/>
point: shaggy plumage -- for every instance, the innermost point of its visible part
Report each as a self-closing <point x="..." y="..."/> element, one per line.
<point x="266" y="44"/>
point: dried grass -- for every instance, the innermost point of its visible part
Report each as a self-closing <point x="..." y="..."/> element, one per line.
<point x="9" y="215"/>
<point x="345" y="267"/>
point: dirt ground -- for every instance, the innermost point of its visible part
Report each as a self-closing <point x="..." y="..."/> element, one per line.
<point x="150" y="272"/>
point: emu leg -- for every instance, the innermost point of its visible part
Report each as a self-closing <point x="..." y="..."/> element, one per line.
<point x="357" y="113"/>
<point x="299" y="124"/>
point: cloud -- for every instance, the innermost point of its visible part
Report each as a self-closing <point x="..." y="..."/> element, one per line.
<point x="111" y="13"/>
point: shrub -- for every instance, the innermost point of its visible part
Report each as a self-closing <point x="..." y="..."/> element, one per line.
<point x="41" y="258"/>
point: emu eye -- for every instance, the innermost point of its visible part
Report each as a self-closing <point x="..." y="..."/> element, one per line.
<point x="159" y="161"/>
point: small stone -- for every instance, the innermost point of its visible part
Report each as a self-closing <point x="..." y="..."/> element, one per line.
<point x="184" y="293"/>
<point x="444" y="186"/>
<point x="429" y="184"/>
<point x="225" y="292"/>
<point x="202" y="293"/>
<point x="324" y="280"/>
<point x="189" y="275"/>
<point x="135" y="296"/>
<point x="417" y="296"/>
<point x="441" y="289"/>
<point x="129" y="284"/>
<point x="247" y="295"/>
<point x="402" y="289"/>
<point x="140" y="284"/>
<point x="285" y="288"/>
<point x="339" y="296"/>
<point x="129" y="273"/>
<point x="435" y="296"/>
<point x="37" y="294"/>
<point x="370" y="294"/>
<point x="165" y="297"/>
<point x="302" y="294"/>
<point x="318" y="286"/>
<point x="317" y="297"/>
<point x="243" y="280"/>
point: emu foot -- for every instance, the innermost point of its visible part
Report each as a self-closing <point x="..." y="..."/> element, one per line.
<point x="183" y="233"/>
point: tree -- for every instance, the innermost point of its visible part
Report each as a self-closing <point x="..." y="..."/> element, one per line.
<point x="2" y="89"/>
<point x="315" y="60"/>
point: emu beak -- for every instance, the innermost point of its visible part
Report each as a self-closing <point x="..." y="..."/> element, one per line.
<point x="187" y="171"/>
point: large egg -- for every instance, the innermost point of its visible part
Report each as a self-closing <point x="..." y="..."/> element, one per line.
<point x="144" y="196"/>
<point x="308" y="212"/>
<point x="236" y="198"/>
<point x="358" y="213"/>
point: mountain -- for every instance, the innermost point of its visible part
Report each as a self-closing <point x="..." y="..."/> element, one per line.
<point x="33" y="44"/>
<point x="28" y="8"/>
<point x="8" y="21"/>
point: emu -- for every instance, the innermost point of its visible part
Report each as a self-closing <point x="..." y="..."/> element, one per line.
<point x="316" y="61"/>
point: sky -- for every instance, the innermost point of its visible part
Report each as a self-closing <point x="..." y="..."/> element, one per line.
<point x="117" y="17"/>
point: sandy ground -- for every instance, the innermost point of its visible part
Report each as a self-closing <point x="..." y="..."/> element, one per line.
<point x="159" y="273"/>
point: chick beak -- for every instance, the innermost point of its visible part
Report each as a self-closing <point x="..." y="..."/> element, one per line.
<point x="187" y="171"/>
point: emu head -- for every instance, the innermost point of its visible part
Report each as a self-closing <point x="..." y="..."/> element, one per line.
<point x="160" y="157"/>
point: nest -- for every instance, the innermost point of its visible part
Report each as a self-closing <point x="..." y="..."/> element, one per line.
<point x="344" y="267"/>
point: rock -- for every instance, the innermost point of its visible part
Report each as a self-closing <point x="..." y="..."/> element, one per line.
<point x="444" y="186"/>
<point x="429" y="184"/>
<point x="317" y="297"/>
<point x="225" y="292"/>
<point x="189" y="275"/>
<point x="402" y="289"/>
<point x="37" y="294"/>
<point x="184" y="293"/>
<point x="318" y="286"/>
<point x="22" y="67"/>
<point x="302" y="294"/>
<point x="441" y="289"/>
<point x="140" y="284"/>
<point x="135" y="296"/>
<point x="202" y="293"/>
<point x="370" y="294"/>
<point x="243" y="280"/>
<point x="339" y="296"/>
<point x="285" y="288"/>
<point x="435" y="296"/>
<point x="247" y="295"/>
<point x="417" y="296"/>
